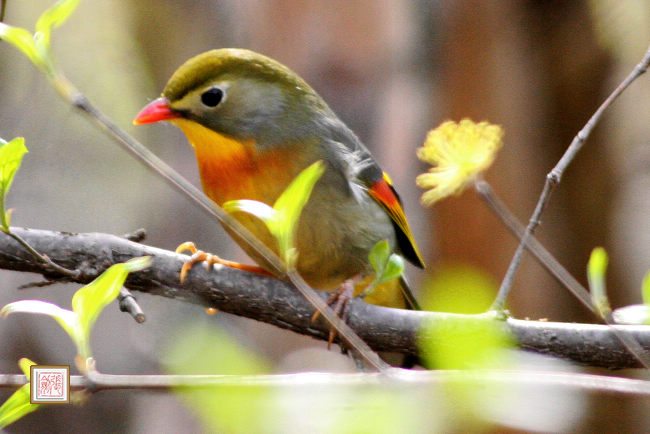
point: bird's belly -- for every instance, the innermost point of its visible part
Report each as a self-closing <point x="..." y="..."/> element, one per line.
<point x="335" y="235"/>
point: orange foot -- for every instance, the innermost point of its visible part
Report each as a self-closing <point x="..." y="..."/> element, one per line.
<point x="210" y="259"/>
<point x="338" y="301"/>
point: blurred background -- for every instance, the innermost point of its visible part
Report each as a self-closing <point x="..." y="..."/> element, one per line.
<point x="392" y="70"/>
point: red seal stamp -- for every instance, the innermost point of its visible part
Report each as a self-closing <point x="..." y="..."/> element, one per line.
<point x="49" y="384"/>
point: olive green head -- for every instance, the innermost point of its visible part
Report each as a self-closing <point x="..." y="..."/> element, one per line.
<point x="244" y="94"/>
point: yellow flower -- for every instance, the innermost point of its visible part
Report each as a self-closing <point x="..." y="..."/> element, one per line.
<point x="458" y="152"/>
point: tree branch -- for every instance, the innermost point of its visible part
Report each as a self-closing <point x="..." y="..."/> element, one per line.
<point x="277" y="303"/>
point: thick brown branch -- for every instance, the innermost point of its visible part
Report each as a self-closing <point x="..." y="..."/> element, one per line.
<point x="275" y="302"/>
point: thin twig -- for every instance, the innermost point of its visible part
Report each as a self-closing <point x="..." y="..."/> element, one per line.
<point x="3" y="8"/>
<point x="43" y="258"/>
<point x="486" y="192"/>
<point x="554" y="177"/>
<point x="137" y="236"/>
<point x="129" y="304"/>
<point x="43" y="283"/>
<point x="556" y="269"/>
<point x="492" y="379"/>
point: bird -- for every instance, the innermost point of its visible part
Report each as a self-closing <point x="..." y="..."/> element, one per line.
<point x="255" y="125"/>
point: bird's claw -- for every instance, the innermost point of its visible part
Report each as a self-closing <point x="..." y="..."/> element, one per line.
<point x="210" y="259"/>
<point x="338" y="301"/>
<point x="197" y="256"/>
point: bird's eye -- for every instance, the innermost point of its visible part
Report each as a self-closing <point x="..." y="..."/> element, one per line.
<point x="212" y="97"/>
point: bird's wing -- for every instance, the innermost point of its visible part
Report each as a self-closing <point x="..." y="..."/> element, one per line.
<point x="360" y="167"/>
<point x="380" y="188"/>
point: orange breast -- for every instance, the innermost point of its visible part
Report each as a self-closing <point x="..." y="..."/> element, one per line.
<point x="233" y="169"/>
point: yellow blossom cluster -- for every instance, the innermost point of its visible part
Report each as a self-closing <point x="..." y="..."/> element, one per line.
<point x="458" y="152"/>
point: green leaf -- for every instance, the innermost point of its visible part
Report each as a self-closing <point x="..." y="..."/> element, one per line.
<point x="89" y="301"/>
<point x="394" y="268"/>
<point x="596" y="271"/>
<point x="52" y="18"/>
<point x="378" y="257"/>
<point x="293" y="199"/>
<point x="282" y="219"/>
<point x="290" y="204"/>
<point x="25" y="365"/>
<point x="66" y="318"/>
<point x="18" y="404"/>
<point x="459" y="288"/>
<point x="23" y="40"/>
<point x="259" y="209"/>
<point x="465" y="342"/>
<point x="235" y="408"/>
<point x="597" y="266"/>
<point x="645" y="289"/>
<point x="386" y="265"/>
<point x="37" y="46"/>
<point x="11" y="155"/>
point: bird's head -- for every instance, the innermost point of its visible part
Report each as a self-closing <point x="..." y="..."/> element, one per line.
<point x="240" y="94"/>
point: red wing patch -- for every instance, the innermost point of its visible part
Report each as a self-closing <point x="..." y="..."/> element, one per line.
<point x="384" y="193"/>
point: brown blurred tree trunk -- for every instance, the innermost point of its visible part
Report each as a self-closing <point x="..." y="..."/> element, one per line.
<point x="534" y="69"/>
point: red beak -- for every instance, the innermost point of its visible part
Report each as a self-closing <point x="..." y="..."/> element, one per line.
<point x="156" y="111"/>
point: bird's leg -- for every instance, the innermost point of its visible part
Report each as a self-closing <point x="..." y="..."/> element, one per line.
<point x="338" y="301"/>
<point x="210" y="259"/>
